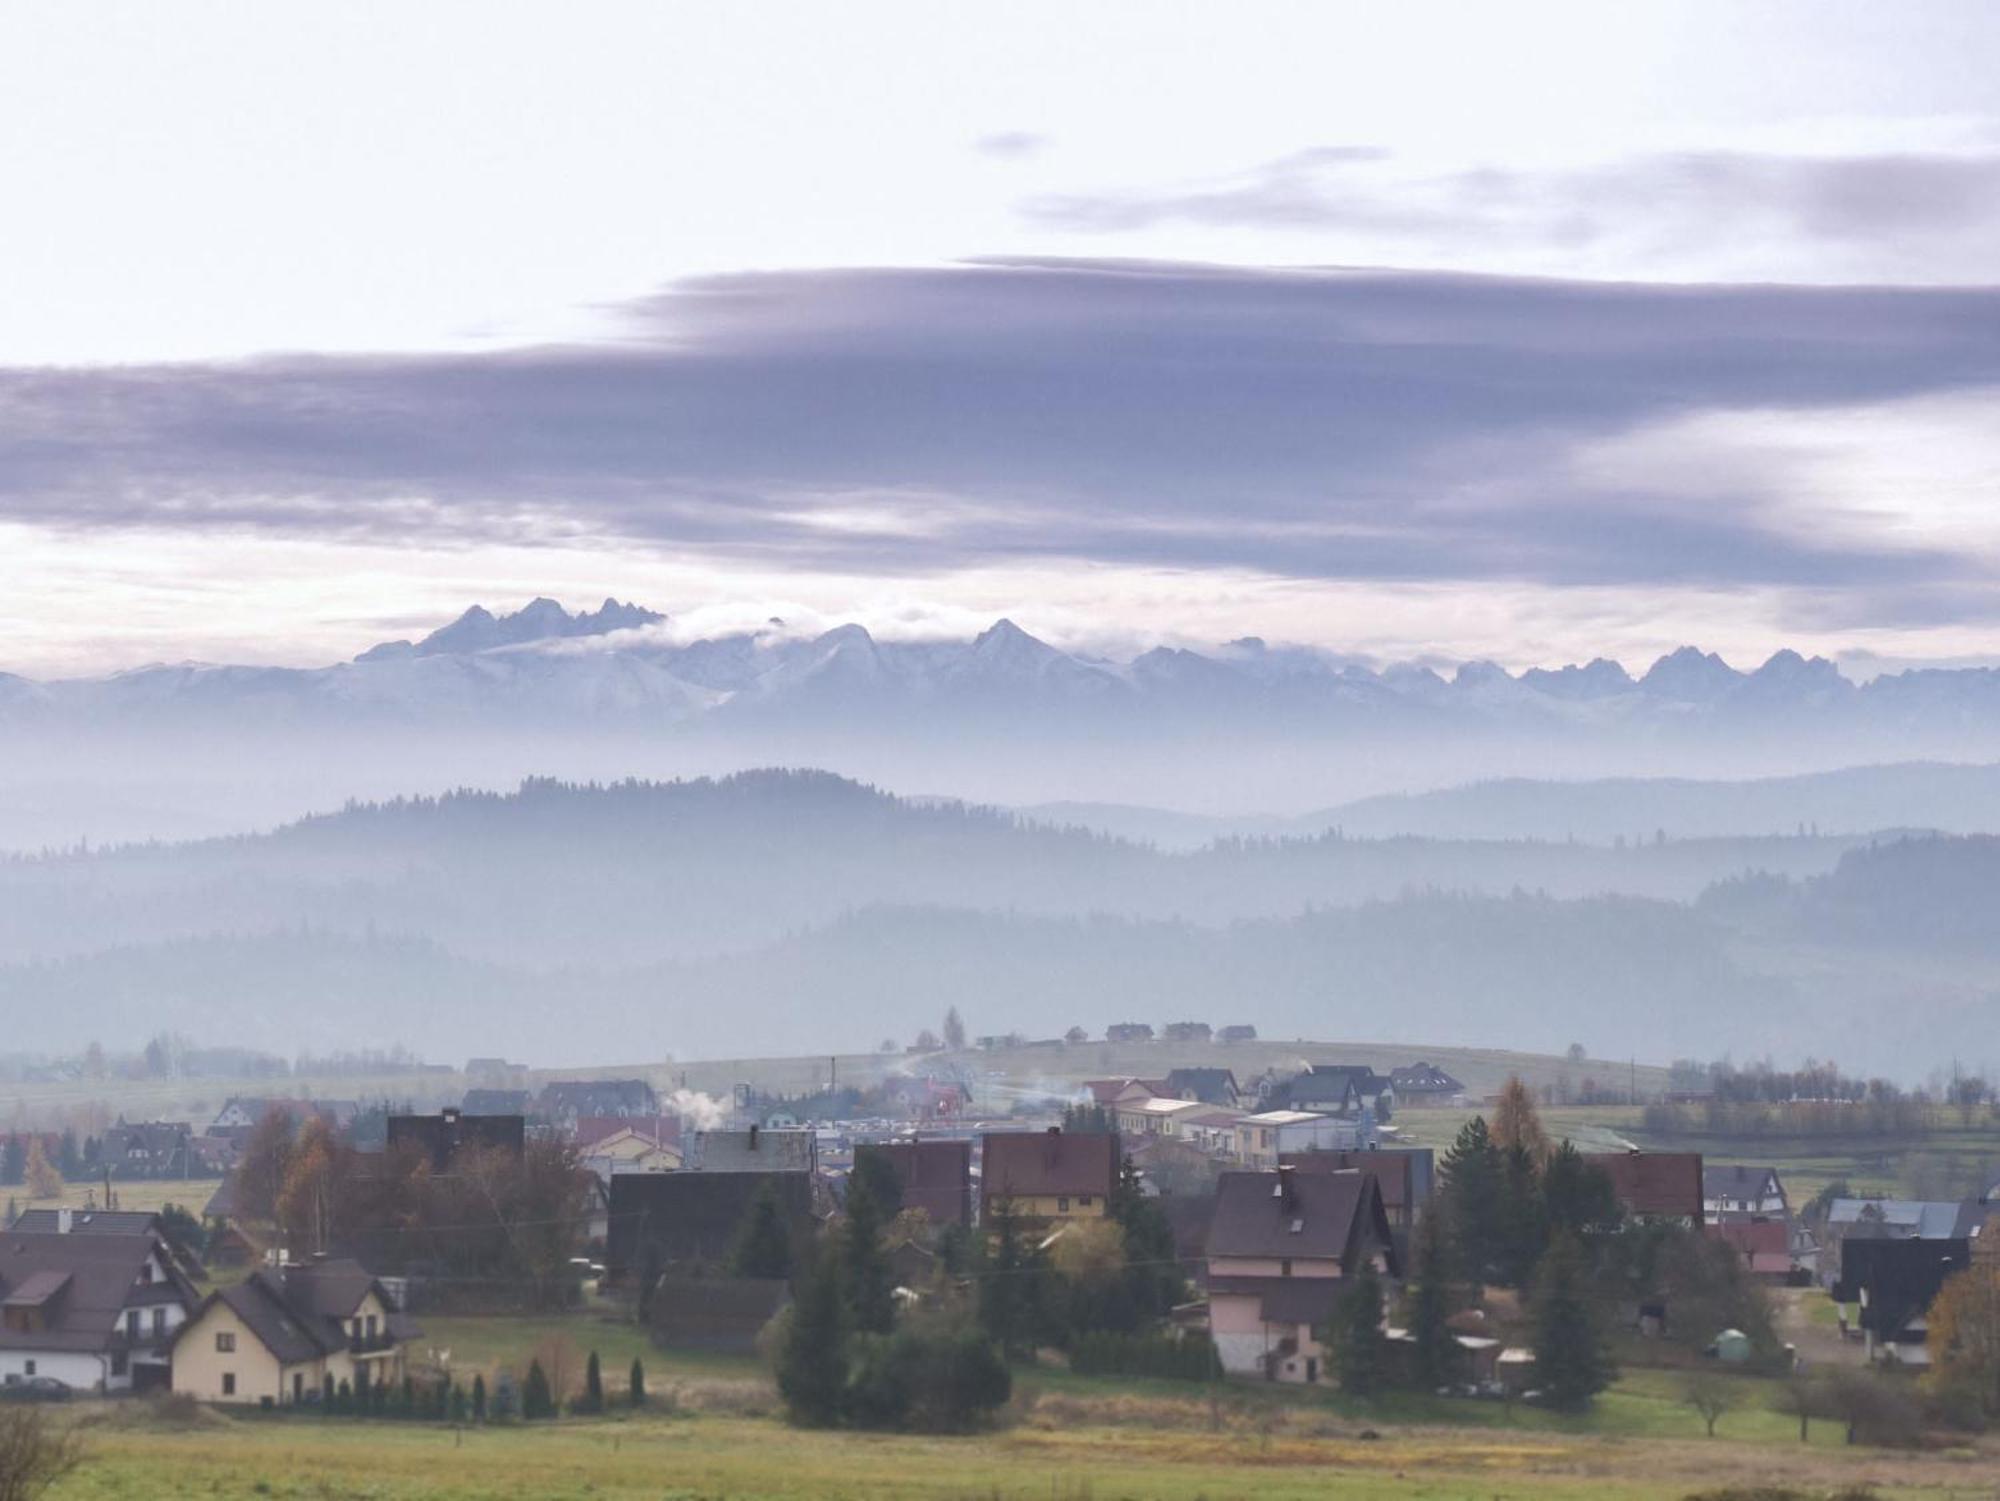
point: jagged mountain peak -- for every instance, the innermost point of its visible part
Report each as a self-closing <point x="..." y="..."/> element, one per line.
<point x="478" y="629"/>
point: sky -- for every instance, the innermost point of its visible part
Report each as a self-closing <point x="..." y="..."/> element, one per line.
<point x="1525" y="332"/>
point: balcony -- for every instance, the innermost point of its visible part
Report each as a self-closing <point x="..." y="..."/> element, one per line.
<point x="379" y="1343"/>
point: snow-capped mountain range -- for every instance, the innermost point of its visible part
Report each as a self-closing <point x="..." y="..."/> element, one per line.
<point x="617" y="663"/>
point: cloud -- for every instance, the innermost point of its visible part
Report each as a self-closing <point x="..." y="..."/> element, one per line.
<point x="1317" y="425"/>
<point x="1929" y="216"/>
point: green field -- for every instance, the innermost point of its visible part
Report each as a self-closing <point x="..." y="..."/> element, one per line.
<point x="712" y="1434"/>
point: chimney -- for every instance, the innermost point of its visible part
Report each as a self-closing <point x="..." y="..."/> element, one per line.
<point x="1285" y="1193"/>
<point x="65" y="1219"/>
<point x="753" y="1138"/>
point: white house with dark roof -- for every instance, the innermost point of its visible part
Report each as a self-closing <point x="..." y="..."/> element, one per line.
<point x="95" y="1311"/>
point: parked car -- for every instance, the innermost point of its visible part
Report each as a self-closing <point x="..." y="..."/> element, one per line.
<point x="36" y="1389"/>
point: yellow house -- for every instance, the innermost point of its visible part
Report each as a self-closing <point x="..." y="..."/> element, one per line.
<point x="629" y="1151"/>
<point x="276" y="1337"/>
<point x="1047" y="1175"/>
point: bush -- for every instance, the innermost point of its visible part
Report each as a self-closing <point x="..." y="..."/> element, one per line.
<point x="1876" y="1410"/>
<point x="1163" y="1357"/>
<point x="929" y="1381"/>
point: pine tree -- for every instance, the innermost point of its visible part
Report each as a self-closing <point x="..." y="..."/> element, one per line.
<point x="1578" y="1196"/>
<point x="1435" y="1355"/>
<point x="635" y="1384"/>
<point x="478" y="1398"/>
<point x="13" y="1161"/>
<point x="867" y="1284"/>
<point x="537" y="1401"/>
<point x="812" y="1361"/>
<point x="1572" y="1362"/>
<point x="763" y="1245"/>
<point x="593" y="1386"/>
<point x="1360" y="1348"/>
<point x="954" y="1030"/>
<point x="1471" y="1171"/>
<point x="1010" y="1288"/>
<point x="1523" y="1228"/>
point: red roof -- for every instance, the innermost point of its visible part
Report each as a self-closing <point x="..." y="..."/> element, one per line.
<point x="1667" y="1184"/>
<point x="1755" y="1238"/>
<point x="935" y="1176"/>
<point x="1024" y="1164"/>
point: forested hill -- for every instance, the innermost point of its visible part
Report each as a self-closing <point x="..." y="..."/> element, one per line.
<point x="642" y="872"/>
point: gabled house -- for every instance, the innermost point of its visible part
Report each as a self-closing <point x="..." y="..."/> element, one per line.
<point x="1109" y="1093"/>
<point x="1424" y="1083"/>
<point x="276" y="1337"/>
<point x="1155" y="1116"/>
<point x="95" y="1311"/>
<point x="1733" y="1192"/>
<point x="1656" y="1187"/>
<point x="1405" y="1175"/>
<point x="240" y="1113"/>
<point x="148" y="1149"/>
<point x="1129" y="1032"/>
<point x="1046" y="1176"/>
<point x="629" y="1151"/>
<point x="1280" y="1245"/>
<point x="1763" y="1246"/>
<point x="935" y="1176"/>
<point x="563" y="1101"/>
<point x="1342" y="1089"/>
<point x="1895" y="1282"/>
<point x="1187" y="1032"/>
<point x="1212" y="1086"/>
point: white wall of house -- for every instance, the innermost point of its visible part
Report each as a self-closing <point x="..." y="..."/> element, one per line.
<point x="83" y="1372"/>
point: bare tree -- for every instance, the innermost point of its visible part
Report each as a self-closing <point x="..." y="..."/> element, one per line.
<point x="34" y="1454"/>
<point x="1710" y="1395"/>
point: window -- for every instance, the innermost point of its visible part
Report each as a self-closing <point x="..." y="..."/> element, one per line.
<point x="1285" y="1267"/>
<point x="1062" y="1205"/>
<point x="1084" y="1201"/>
<point x="27" y="1368"/>
<point x="371" y="1326"/>
<point x="225" y="1342"/>
<point x="131" y="1323"/>
<point x="159" y="1322"/>
<point x="228" y="1383"/>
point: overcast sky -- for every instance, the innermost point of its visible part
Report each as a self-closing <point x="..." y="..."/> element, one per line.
<point x="1530" y="332"/>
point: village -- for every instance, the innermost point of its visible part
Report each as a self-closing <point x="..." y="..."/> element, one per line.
<point x="898" y="1251"/>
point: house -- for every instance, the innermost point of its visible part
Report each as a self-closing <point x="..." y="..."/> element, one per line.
<point x="441" y="1137"/>
<point x="1263" y="1138"/>
<point x="1407" y="1176"/>
<point x="148" y="1149"/>
<point x="1656" y="1187"/>
<point x="143" y="1222"/>
<point x="1047" y="1175"/>
<point x="753" y="1150"/>
<point x="589" y="1130"/>
<point x="1187" y="1032"/>
<point x="1212" y="1086"/>
<point x="1732" y="1191"/>
<point x="660" y="1220"/>
<point x="934" y="1176"/>
<point x="1342" y="1089"/>
<point x="1155" y="1116"/>
<point x="629" y="1150"/>
<point x="97" y="1311"/>
<point x="1895" y="1282"/>
<point x="1237" y="1032"/>
<point x="1129" y="1032"/>
<point x="564" y="1100"/>
<point x="240" y="1114"/>
<point x="1212" y="1130"/>
<point x="1764" y="1246"/>
<point x="1424" y="1083"/>
<point x="277" y="1337"/>
<point x="496" y="1102"/>
<point x="1108" y="1093"/>
<point x="1894" y="1219"/>
<point x="1279" y="1245"/>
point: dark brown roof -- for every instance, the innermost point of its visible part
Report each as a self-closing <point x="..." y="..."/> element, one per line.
<point x="935" y="1176"/>
<point x="83" y="1283"/>
<point x="88" y="1222"/>
<point x="1654" y="1183"/>
<point x="298" y="1313"/>
<point x="1024" y="1164"/>
<point x="694" y="1216"/>
<point x="1289" y="1214"/>
<point x="1392" y="1170"/>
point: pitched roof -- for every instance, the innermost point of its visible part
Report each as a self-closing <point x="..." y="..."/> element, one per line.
<point x="1395" y="1172"/>
<point x="299" y="1313"/>
<point x="1918" y="1219"/>
<point x="1900" y="1277"/>
<point x="935" y="1176"/>
<point x="1662" y="1183"/>
<point x="759" y="1149"/>
<point x="693" y="1216"/>
<point x="599" y="1097"/>
<point x="88" y="1222"/>
<point x="1735" y="1180"/>
<point x="1288" y="1214"/>
<point x="1216" y="1086"/>
<point x="1024" y="1164"/>
<point x="1423" y="1078"/>
<point x="83" y="1283"/>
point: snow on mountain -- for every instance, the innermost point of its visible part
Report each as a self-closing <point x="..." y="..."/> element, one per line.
<point x="479" y="629"/>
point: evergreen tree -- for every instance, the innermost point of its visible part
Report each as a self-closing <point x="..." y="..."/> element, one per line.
<point x="635" y="1384"/>
<point x="1516" y="1122"/>
<point x="327" y="1394"/>
<point x="44" y="1182"/>
<point x="1471" y="1170"/>
<point x="763" y="1244"/>
<point x="1010" y="1288"/>
<point x="69" y="1161"/>
<point x="1153" y="1282"/>
<point x="812" y="1360"/>
<point x="593" y="1386"/>
<point x="478" y="1398"/>
<point x="13" y="1161"/>
<point x="1435" y="1356"/>
<point x="1360" y="1349"/>
<point x="537" y="1400"/>
<point x="873" y="1168"/>
<point x="1522" y="1225"/>
<point x="1572" y="1362"/>
<point x="867" y="1284"/>
<point x="954" y="1030"/>
<point x="1577" y="1196"/>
